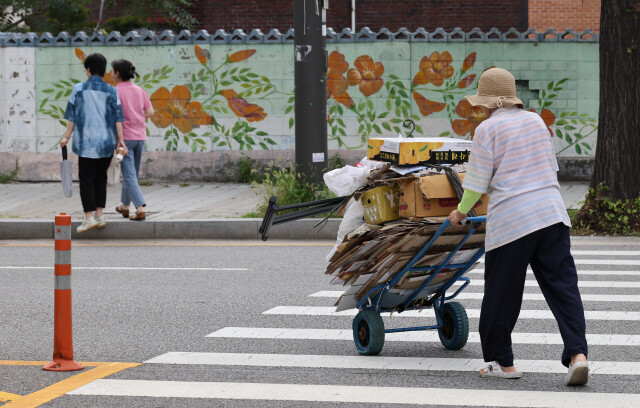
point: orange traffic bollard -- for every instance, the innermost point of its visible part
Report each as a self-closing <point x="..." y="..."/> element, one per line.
<point x="62" y="337"/>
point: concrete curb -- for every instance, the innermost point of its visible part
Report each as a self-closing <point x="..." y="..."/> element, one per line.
<point x="222" y="228"/>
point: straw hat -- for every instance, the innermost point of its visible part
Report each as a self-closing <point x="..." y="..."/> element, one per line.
<point x="496" y="89"/>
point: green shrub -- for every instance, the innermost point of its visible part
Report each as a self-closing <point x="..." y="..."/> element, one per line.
<point x="337" y="162"/>
<point x="289" y="187"/>
<point x="601" y="214"/>
<point x="247" y="173"/>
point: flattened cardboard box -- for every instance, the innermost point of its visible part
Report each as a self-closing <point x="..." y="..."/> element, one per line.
<point x="432" y="196"/>
<point x="419" y="150"/>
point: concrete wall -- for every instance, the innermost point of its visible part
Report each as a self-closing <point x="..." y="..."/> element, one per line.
<point x="236" y="96"/>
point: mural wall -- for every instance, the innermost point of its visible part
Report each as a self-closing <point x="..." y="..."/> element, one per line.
<point x="226" y="96"/>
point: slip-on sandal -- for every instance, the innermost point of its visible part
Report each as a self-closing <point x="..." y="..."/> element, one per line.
<point x="578" y="374"/>
<point x="493" y="369"/>
<point x="125" y="213"/>
<point x="138" y="216"/>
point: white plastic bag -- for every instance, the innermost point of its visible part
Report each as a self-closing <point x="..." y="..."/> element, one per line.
<point x="353" y="219"/>
<point x="113" y="174"/>
<point x="346" y="180"/>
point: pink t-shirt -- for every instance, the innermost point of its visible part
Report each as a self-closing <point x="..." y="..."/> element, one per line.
<point x="134" y="101"/>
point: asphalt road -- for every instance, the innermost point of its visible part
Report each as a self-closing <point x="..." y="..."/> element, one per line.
<point x="246" y="324"/>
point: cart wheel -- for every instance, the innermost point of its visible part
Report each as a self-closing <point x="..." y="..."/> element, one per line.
<point x="455" y="326"/>
<point x="368" y="333"/>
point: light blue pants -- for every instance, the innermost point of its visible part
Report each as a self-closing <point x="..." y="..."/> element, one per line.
<point x="130" y="168"/>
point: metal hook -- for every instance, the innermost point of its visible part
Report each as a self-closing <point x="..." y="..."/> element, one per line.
<point x="409" y="123"/>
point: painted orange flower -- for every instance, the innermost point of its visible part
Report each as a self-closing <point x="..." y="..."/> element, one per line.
<point x="242" y="108"/>
<point x="472" y="117"/>
<point x="241" y="55"/>
<point x="435" y="69"/>
<point x="176" y="108"/>
<point x="80" y="54"/>
<point x="466" y="81"/>
<point x="426" y="106"/>
<point x="336" y="82"/>
<point x="202" y="55"/>
<point x="548" y="117"/>
<point x="366" y="74"/>
<point x="469" y="61"/>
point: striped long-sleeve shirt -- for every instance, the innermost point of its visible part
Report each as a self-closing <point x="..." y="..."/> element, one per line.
<point x="512" y="159"/>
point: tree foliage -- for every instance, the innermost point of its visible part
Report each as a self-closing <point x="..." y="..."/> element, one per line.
<point x="75" y="15"/>
<point x="50" y="15"/>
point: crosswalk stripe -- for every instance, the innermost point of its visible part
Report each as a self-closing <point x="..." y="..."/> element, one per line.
<point x="586" y="297"/>
<point x="581" y="272"/>
<point x="471" y="313"/>
<point x="421" y="336"/>
<point x="380" y="362"/>
<point x="581" y="252"/>
<point x="355" y="394"/>
<point x="581" y="284"/>
<point x="579" y="261"/>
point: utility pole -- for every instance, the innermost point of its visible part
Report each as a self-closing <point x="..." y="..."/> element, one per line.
<point x="310" y="55"/>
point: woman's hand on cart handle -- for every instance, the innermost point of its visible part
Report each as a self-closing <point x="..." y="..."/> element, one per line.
<point x="455" y="217"/>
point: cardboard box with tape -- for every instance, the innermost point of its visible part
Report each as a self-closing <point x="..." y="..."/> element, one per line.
<point x="432" y="196"/>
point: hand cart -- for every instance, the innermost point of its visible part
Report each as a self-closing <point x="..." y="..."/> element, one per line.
<point x="451" y="318"/>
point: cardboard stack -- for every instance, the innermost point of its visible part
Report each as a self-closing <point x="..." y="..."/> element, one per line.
<point x="402" y="214"/>
<point x="376" y="254"/>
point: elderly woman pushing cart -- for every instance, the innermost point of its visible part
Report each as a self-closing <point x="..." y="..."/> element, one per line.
<point x="512" y="159"/>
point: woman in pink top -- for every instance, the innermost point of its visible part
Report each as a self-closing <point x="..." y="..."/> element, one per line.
<point x="137" y="109"/>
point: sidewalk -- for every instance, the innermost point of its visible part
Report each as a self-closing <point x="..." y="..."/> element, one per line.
<point x="191" y="210"/>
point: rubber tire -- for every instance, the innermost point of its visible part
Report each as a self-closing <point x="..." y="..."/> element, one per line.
<point x="454" y="332"/>
<point x="368" y="333"/>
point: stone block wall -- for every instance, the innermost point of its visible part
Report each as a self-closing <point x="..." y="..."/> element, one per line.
<point x="233" y="92"/>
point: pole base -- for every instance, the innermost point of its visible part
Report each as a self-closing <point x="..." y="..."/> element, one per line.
<point x="63" y="365"/>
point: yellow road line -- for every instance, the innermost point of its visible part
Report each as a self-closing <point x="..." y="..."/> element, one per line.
<point x="7" y="396"/>
<point x="59" y="389"/>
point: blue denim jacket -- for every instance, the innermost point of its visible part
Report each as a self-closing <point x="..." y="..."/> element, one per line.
<point x="94" y="109"/>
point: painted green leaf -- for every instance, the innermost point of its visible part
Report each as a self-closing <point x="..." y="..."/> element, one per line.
<point x="386" y="125"/>
<point x="578" y="149"/>
<point x="269" y="140"/>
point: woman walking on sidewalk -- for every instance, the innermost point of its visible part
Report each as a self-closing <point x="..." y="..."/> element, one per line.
<point x="512" y="159"/>
<point x="137" y="108"/>
<point x="94" y="117"/>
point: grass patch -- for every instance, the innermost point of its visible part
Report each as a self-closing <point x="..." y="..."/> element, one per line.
<point x="6" y="178"/>
<point x="185" y="185"/>
<point x="145" y="183"/>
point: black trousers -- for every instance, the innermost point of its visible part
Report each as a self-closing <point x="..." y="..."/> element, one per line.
<point x="548" y="252"/>
<point x="93" y="182"/>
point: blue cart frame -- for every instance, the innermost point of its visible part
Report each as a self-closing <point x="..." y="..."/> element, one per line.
<point x="451" y="318"/>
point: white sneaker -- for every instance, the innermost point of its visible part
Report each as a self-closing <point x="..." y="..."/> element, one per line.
<point x="578" y="374"/>
<point x="101" y="222"/>
<point x="87" y="224"/>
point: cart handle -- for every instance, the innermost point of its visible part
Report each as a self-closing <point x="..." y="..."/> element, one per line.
<point x="474" y="219"/>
